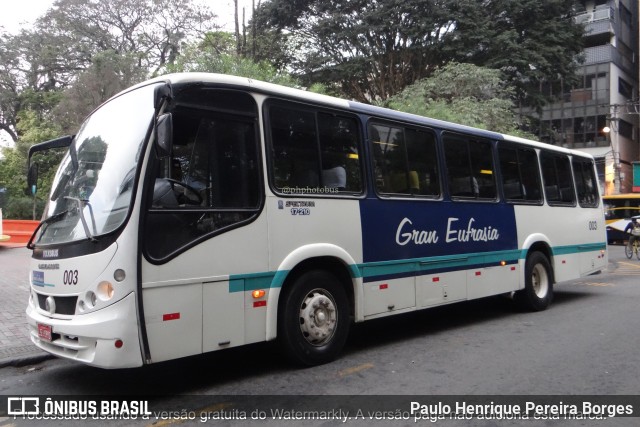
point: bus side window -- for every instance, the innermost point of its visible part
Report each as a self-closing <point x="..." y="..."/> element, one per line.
<point x="314" y="152"/>
<point x="520" y="174"/>
<point x="557" y="178"/>
<point x="586" y="184"/>
<point x="470" y="169"/>
<point x="389" y="159"/>
<point x="405" y="160"/>
<point x="340" y="148"/>
<point x="212" y="180"/>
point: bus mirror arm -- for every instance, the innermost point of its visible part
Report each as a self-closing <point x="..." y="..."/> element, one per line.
<point x="32" y="169"/>
<point x="164" y="134"/>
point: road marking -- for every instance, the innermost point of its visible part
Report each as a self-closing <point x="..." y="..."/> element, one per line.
<point x="634" y="265"/>
<point x="601" y="284"/>
<point x="200" y="413"/>
<point x="355" y="369"/>
<point x="627" y="269"/>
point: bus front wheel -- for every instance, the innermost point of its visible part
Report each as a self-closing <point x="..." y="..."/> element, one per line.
<point x="538" y="288"/>
<point x="314" y="318"/>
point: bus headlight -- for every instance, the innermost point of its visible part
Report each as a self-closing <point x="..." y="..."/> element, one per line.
<point x="105" y="290"/>
<point x="91" y="299"/>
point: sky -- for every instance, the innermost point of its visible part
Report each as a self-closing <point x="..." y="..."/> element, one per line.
<point x="18" y="14"/>
<point x="21" y="14"/>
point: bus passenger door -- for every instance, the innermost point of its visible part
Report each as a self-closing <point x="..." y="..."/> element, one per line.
<point x="203" y="231"/>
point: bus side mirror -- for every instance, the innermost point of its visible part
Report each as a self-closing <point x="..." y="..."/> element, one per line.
<point x="164" y="135"/>
<point x="32" y="179"/>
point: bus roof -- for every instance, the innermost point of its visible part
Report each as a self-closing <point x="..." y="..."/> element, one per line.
<point x="356" y="107"/>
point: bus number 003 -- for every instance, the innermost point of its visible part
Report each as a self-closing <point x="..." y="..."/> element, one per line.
<point x="70" y="277"/>
<point x="593" y="225"/>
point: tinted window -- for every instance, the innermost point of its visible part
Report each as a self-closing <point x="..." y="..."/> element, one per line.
<point x="314" y="152"/>
<point x="520" y="174"/>
<point x="405" y="160"/>
<point x="586" y="184"/>
<point x="470" y="169"/>
<point x="557" y="179"/>
<point x="211" y="181"/>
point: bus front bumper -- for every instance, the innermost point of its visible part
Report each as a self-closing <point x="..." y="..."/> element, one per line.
<point x="107" y="338"/>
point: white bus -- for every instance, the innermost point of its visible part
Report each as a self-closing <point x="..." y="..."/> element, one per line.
<point x="199" y="212"/>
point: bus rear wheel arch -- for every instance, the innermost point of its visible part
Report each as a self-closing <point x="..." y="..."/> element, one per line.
<point x="538" y="288"/>
<point x="313" y="318"/>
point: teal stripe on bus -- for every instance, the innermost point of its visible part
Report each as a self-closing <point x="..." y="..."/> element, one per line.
<point x="251" y="281"/>
<point x="421" y="266"/>
<point x="409" y="267"/>
<point x="572" y="249"/>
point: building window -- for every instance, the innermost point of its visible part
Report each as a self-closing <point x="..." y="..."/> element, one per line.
<point x="625" y="129"/>
<point x="625" y="88"/>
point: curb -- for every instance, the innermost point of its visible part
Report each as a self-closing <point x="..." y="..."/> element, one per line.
<point x="20" y="361"/>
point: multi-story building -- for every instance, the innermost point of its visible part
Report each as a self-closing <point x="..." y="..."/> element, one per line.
<point x="599" y="115"/>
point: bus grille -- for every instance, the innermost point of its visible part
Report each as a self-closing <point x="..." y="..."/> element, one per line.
<point x="64" y="305"/>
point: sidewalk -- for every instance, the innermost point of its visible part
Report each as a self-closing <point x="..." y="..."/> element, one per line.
<point x="15" y="345"/>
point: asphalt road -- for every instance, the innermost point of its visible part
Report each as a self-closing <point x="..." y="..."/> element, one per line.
<point x="587" y="343"/>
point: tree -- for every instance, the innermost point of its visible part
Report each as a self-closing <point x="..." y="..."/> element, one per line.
<point x="109" y="74"/>
<point x="370" y="49"/>
<point x="14" y="163"/>
<point x="75" y="35"/>
<point x="153" y="30"/>
<point x="373" y="49"/>
<point x="216" y="54"/>
<point x="464" y="94"/>
<point x="530" y="41"/>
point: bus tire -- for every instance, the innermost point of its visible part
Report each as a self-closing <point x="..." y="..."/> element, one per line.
<point x="538" y="287"/>
<point x="314" y="320"/>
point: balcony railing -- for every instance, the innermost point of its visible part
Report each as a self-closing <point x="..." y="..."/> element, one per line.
<point x="602" y="14"/>
<point x="607" y="53"/>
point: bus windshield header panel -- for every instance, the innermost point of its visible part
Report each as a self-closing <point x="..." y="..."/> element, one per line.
<point x="92" y="190"/>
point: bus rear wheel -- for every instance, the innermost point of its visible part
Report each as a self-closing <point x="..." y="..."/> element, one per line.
<point x="314" y="318"/>
<point x="538" y="288"/>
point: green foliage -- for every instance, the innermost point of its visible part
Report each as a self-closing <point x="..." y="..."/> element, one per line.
<point x="214" y="56"/>
<point x="22" y="208"/>
<point x="529" y="40"/>
<point x="108" y="74"/>
<point x="371" y="50"/>
<point x="13" y="166"/>
<point x="464" y="94"/>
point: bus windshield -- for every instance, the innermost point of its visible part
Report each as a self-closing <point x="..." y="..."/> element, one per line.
<point x="92" y="189"/>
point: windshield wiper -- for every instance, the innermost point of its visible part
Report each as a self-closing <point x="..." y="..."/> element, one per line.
<point x="53" y="218"/>
<point x="81" y="203"/>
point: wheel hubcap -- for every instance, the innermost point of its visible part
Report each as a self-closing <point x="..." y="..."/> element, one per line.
<point x="318" y="317"/>
<point x="540" y="281"/>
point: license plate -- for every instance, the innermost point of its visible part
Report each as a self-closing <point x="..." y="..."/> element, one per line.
<point x="44" y="332"/>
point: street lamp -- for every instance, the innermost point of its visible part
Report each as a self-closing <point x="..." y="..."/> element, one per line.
<point x="607" y="130"/>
